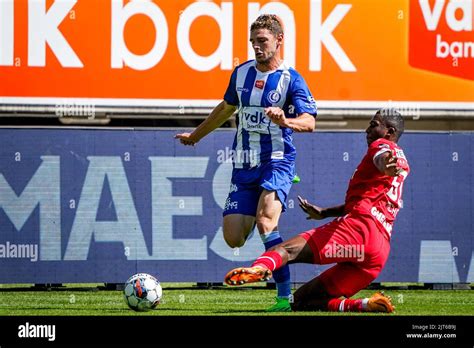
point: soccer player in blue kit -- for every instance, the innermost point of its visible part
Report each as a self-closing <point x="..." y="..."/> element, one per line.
<point x="273" y="101"/>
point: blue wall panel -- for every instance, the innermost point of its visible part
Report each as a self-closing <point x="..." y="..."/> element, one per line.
<point x="100" y="205"/>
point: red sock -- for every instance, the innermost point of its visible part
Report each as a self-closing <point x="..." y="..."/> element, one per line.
<point x="346" y="305"/>
<point x="270" y="260"/>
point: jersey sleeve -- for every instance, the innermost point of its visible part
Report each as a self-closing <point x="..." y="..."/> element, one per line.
<point x="230" y="95"/>
<point x="402" y="161"/>
<point x="379" y="147"/>
<point x="301" y="97"/>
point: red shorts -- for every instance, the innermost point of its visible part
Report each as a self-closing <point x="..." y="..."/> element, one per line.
<point x="356" y="244"/>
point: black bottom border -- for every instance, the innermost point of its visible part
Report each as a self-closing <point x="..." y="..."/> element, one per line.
<point x="242" y="331"/>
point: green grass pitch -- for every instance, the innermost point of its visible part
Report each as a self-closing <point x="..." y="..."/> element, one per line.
<point x="184" y="300"/>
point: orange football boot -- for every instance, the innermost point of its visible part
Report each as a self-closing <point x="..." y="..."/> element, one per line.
<point x="244" y="275"/>
<point x="378" y="302"/>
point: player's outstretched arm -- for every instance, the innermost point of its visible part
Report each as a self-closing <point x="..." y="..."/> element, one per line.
<point x="389" y="164"/>
<point x="216" y="118"/>
<point x="317" y="213"/>
<point x="303" y="123"/>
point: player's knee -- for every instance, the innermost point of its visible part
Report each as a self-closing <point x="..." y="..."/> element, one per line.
<point x="302" y="302"/>
<point x="299" y="301"/>
<point x="296" y="305"/>
<point x="305" y="306"/>
<point x="265" y="224"/>
<point x="234" y="241"/>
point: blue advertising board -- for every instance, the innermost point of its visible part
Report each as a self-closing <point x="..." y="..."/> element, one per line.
<point x="84" y="205"/>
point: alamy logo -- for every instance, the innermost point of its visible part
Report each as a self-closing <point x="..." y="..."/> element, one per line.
<point x="19" y="251"/>
<point x="349" y="251"/>
<point x="75" y="110"/>
<point x="228" y="155"/>
<point x="37" y="331"/>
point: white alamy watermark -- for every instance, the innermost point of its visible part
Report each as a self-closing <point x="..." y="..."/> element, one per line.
<point x="37" y="331"/>
<point x="19" y="251"/>
<point x="405" y="109"/>
<point x="349" y="251"/>
<point x="75" y="110"/>
<point x="229" y="155"/>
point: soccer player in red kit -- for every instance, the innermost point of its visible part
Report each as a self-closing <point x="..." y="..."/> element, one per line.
<point x="357" y="240"/>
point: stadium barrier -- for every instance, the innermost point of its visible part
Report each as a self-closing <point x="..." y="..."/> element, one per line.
<point x="97" y="205"/>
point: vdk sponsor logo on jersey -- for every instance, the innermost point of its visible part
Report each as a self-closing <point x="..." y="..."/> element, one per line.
<point x="254" y="119"/>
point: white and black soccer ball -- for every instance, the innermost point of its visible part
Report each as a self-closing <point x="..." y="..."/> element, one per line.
<point x="142" y="292"/>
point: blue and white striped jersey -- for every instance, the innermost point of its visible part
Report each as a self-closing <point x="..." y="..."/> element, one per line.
<point x="258" y="139"/>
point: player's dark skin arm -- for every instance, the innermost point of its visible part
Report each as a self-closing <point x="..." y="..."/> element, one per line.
<point x="386" y="163"/>
<point x="317" y="213"/>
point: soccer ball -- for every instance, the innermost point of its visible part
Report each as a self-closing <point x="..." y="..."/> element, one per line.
<point x="142" y="292"/>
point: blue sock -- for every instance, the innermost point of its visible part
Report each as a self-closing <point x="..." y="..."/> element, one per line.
<point x="282" y="275"/>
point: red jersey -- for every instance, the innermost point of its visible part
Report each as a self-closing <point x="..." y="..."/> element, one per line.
<point x="373" y="192"/>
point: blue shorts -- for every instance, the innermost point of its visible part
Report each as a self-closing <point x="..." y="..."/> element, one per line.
<point x="248" y="184"/>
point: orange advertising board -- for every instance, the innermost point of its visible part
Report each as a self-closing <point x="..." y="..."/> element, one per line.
<point x="170" y="53"/>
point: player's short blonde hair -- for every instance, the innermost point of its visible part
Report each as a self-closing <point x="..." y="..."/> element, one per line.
<point x="270" y="22"/>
